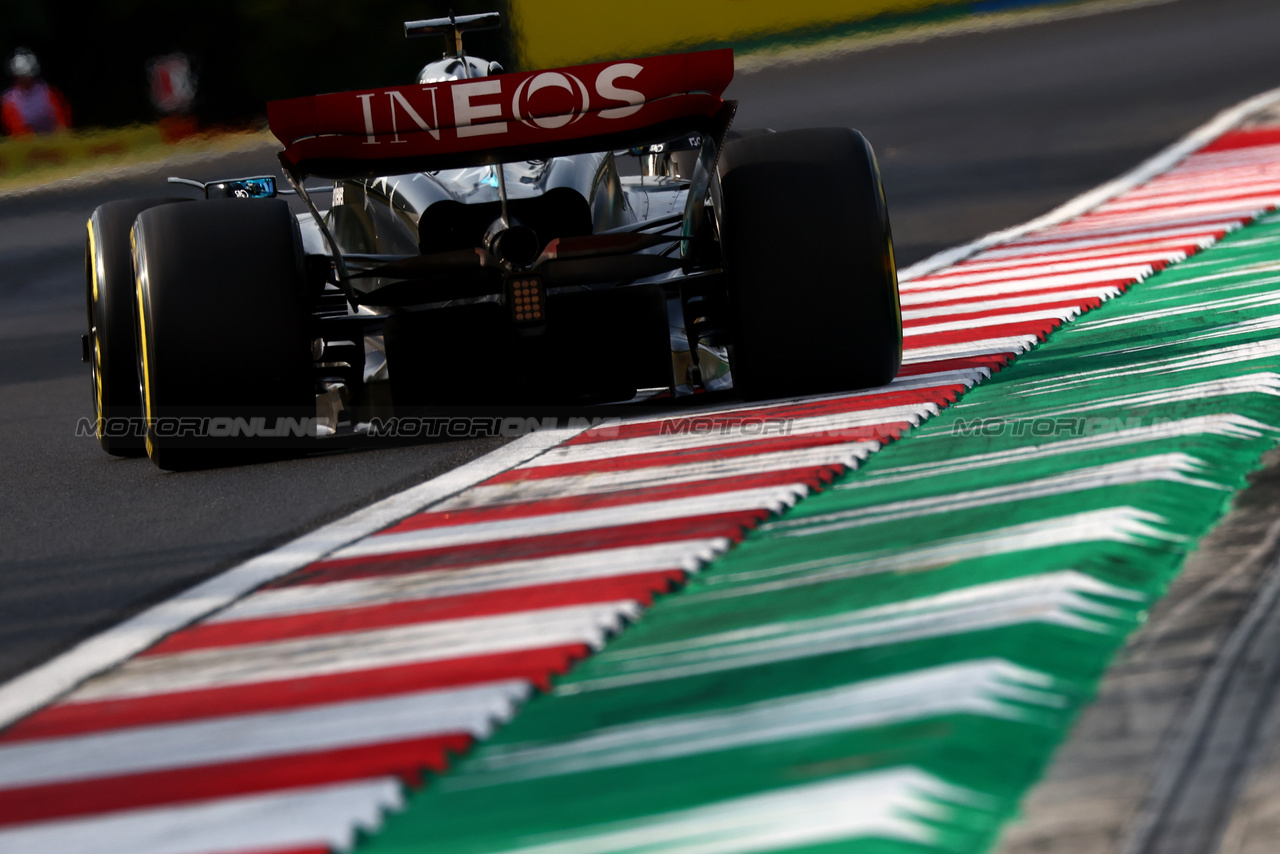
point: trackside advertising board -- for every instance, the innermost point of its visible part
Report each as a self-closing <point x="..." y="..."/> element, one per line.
<point x="563" y="32"/>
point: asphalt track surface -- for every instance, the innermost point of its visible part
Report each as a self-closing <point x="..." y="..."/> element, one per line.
<point x="974" y="132"/>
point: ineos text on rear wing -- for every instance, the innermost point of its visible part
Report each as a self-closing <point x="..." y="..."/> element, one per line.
<point x="504" y="117"/>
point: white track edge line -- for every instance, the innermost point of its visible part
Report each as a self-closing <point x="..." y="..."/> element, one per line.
<point x="1153" y="166"/>
<point x="45" y="683"/>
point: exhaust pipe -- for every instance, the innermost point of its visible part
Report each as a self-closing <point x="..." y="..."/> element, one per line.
<point x="512" y="243"/>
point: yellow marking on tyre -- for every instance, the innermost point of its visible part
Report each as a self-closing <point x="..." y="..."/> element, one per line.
<point x="142" y="340"/>
<point x="93" y="258"/>
<point x="98" y="398"/>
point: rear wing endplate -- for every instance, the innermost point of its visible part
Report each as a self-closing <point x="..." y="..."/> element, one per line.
<point x="504" y="117"/>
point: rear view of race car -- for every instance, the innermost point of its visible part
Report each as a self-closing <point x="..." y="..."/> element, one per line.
<point x="574" y="235"/>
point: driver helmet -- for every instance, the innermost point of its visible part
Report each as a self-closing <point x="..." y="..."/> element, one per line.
<point x="451" y="68"/>
<point x="23" y="63"/>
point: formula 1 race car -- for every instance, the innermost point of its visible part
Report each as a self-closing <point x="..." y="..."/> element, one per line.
<point x="575" y="235"/>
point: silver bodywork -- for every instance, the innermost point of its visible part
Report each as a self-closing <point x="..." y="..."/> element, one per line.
<point x="382" y="217"/>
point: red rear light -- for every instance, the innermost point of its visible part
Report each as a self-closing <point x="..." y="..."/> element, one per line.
<point x="527" y="298"/>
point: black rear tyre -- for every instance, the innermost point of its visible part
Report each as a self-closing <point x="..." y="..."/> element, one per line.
<point x="108" y="261"/>
<point x="813" y="286"/>
<point x="223" y="337"/>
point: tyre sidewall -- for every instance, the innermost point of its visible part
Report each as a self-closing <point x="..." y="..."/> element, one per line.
<point x="109" y="296"/>
<point x="809" y="261"/>
<point x="222" y="329"/>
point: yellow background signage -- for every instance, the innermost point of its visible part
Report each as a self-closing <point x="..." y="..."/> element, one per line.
<point x="553" y="33"/>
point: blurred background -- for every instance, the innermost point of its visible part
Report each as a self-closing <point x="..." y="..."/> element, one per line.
<point x="238" y="54"/>
<point x="242" y="52"/>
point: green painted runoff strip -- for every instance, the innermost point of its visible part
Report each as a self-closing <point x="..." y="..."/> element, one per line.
<point x="889" y="666"/>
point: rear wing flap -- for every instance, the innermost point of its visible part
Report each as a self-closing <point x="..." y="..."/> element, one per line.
<point x="504" y="117"/>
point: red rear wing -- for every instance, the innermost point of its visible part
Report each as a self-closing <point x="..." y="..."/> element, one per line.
<point x="503" y="117"/>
